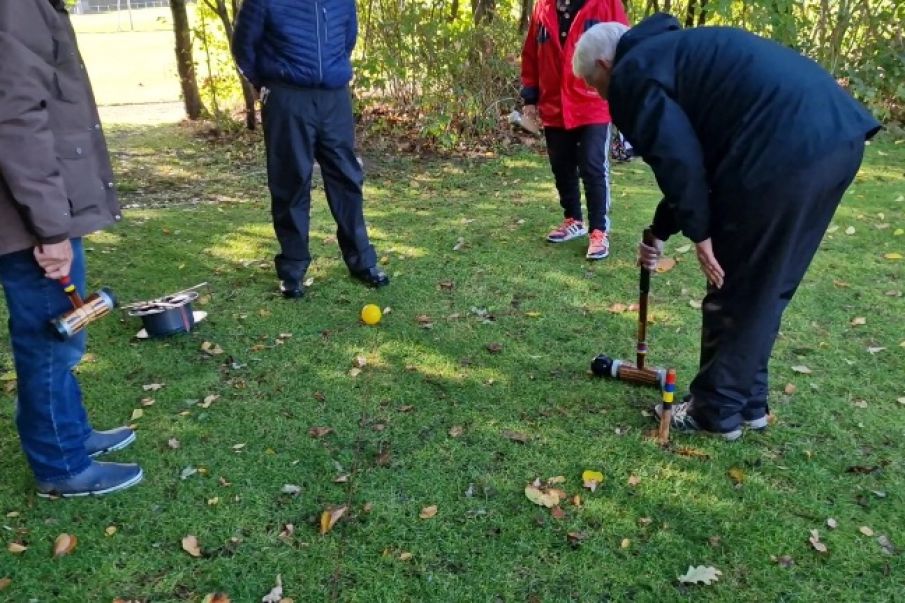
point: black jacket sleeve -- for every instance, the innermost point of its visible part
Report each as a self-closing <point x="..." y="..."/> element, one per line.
<point x="661" y="133"/>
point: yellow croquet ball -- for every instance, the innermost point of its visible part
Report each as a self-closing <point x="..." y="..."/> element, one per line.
<point x="371" y="314"/>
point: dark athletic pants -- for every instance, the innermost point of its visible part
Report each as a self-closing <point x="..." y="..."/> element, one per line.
<point x="302" y="125"/>
<point x="765" y="241"/>
<point x="582" y="151"/>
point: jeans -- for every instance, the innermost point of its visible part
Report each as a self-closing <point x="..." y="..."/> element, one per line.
<point x="51" y="419"/>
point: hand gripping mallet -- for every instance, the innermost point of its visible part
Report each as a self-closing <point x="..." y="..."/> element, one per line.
<point x="604" y="366"/>
<point x="84" y="311"/>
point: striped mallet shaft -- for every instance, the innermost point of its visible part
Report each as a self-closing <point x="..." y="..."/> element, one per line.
<point x="669" y="395"/>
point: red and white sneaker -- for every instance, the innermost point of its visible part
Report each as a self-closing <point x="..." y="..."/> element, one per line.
<point x="599" y="246"/>
<point x="568" y="230"/>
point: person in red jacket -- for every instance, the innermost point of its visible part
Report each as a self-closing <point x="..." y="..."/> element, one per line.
<point x="576" y="120"/>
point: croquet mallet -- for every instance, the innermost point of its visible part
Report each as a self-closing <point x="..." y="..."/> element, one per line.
<point x="638" y="373"/>
<point x="84" y="311"/>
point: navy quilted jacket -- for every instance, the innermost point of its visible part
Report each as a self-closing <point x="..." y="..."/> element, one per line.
<point x="306" y="43"/>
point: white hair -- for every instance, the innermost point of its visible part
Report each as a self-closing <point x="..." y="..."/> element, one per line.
<point x="597" y="44"/>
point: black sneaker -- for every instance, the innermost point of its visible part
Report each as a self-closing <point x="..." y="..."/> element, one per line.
<point x="292" y="289"/>
<point x="374" y="277"/>
<point x="98" y="479"/>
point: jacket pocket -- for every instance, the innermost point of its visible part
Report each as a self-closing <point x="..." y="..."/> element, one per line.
<point x="76" y="154"/>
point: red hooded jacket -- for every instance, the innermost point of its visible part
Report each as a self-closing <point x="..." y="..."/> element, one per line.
<point x="563" y="100"/>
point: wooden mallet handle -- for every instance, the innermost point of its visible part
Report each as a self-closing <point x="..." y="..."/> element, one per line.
<point x="70" y="289"/>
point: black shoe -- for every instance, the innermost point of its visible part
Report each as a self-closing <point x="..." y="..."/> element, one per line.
<point x="374" y="276"/>
<point x="292" y="289"/>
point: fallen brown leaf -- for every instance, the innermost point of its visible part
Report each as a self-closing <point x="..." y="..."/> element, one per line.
<point x="494" y="347"/>
<point x="814" y="539"/>
<point x="785" y="561"/>
<point x="665" y="265"/>
<point x="152" y="387"/>
<point x="515" y="436"/>
<point x="208" y="400"/>
<point x="428" y="512"/>
<point x="456" y="431"/>
<point x="557" y="512"/>
<point x="883" y="540"/>
<point x="330" y="516"/>
<point x="626" y="543"/>
<point x="173" y="443"/>
<point x="216" y="598"/>
<point x="858" y="321"/>
<point x="383" y="457"/>
<point x="15" y="548"/>
<point x="5" y="582"/>
<point x="64" y="545"/>
<point x="866" y="531"/>
<point x="319" y="432"/>
<point x="110" y="530"/>
<point x="714" y="541"/>
<point x="341" y="479"/>
<point x="737" y="475"/>
<point x="832" y="523"/>
<point x="633" y="480"/>
<point x="405" y="556"/>
<point x="790" y="389"/>
<point x="575" y="538"/>
<point x="576" y="500"/>
<point x="406" y="408"/>
<point x="692" y="452"/>
<point x="424" y="321"/>
<point x="191" y="546"/>
<point x="212" y="349"/>
<point x="147" y="402"/>
<point x="360" y="362"/>
<point x="617" y="308"/>
<point x="802" y="369"/>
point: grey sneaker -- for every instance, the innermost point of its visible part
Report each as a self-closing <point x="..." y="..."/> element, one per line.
<point x="682" y="421"/>
<point x="98" y="479"/>
<point x="105" y="442"/>
<point x="758" y="424"/>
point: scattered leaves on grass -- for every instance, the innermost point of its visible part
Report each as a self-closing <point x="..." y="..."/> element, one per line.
<point x="494" y="347"/>
<point x="832" y="523"/>
<point x="859" y="321"/>
<point x="683" y="249"/>
<point x="617" y="308"/>
<point x="216" y="598"/>
<point x="405" y="556"/>
<point x="460" y="243"/>
<point x="428" y="512"/>
<point x="576" y="538"/>
<point x="446" y="285"/>
<point x="591" y="479"/>
<point x="354" y="372"/>
<point x="814" y="539"/>
<point x="211" y="349"/>
<point x="291" y="489"/>
<point x="789" y="389"/>
<point x="665" y="265"/>
<point x="383" y="457"/>
<point x="191" y="546"/>
<point x="330" y="516"/>
<point x="892" y="256"/>
<point x="542" y="497"/>
<point x="424" y="321"/>
<point x="850" y="230"/>
<point x="188" y="472"/>
<point x="276" y="593"/>
<point x="319" y="432"/>
<point x="714" y="541"/>
<point x="692" y="452"/>
<point x="137" y="414"/>
<point x="406" y="408"/>
<point x="110" y="530"/>
<point x="737" y="475"/>
<point x="15" y="548"/>
<point x="785" y="561"/>
<point x="515" y="436"/>
<point x="5" y="582"/>
<point x="147" y="402"/>
<point x="860" y="403"/>
<point x="341" y="479"/>
<point x="64" y="545"/>
<point x="800" y="368"/>
<point x="557" y="512"/>
<point x="576" y="500"/>
<point x="700" y="574"/>
<point x="633" y="480"/>
<point x="360" y="361"/>
<point x="694" y="303"/>
<point x="456" y="431"/>
<point x="626" y="543"/>
<point x="173" y="443"/>
<point x="862" y="469"/>
<point x="208" y="400"/>
<point x="885" y="543"/>
<point x="152" y="387"/>
<point x="866" y="531"/>
<point x="875" y="350"/>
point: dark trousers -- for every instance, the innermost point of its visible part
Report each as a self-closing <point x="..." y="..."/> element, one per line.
<point x="765" y="241"/>
<point x="300" y="126"/>
<point x="584" y="152"/>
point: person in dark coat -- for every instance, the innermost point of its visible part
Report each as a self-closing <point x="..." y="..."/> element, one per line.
<point x="56" y="186"/>
<point x="297" y="54"/>
<point x="753" y="146"/>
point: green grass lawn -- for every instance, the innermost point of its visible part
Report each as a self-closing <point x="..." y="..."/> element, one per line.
<point x="424" y="422"/>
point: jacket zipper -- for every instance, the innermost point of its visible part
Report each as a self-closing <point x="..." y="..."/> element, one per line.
<point x="317" y="21"/>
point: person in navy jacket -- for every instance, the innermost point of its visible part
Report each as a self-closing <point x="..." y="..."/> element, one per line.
<point x="753" y="146"/>
<point x="297" y="53"/>
<point x="576" y="120"/>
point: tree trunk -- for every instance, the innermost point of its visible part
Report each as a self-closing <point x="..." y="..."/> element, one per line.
<point x="689" y="14"/>
<point x="702" y="16"/>
<point x="483" y="10"/>
<point x="453" y="10"/>
<point x="185" y="63"/>
<point x="525" y="16"/>
<point x="248" y="93"/>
